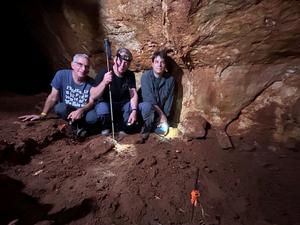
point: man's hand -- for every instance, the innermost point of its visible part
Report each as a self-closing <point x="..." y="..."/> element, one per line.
<point x="75" y="115"/>
<point x="30" y="117"/>
<point x="132" y="118"/>
<point x="163" y="119"/>
<point x="107" y="78"/>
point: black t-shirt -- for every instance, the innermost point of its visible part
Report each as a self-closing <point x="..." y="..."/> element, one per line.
<point x="120" y="86"/>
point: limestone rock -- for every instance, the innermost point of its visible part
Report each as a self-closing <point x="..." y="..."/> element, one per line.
<point x="276" y="109"/>
<point x="223" y="139"/>
<point x="194" y="126"/>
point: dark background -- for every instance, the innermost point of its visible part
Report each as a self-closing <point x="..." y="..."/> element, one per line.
<point x="24" y="68"/>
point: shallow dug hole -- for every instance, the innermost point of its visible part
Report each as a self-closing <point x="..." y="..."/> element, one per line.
<point x="99" y="181"/>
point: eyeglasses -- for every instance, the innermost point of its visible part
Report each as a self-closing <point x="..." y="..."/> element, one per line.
<point x="82" y="65"/>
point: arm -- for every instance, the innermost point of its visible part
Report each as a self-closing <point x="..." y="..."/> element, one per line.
<point x="49" y="103"/>
<point x="146" y="87"/>
<point x="78" y="113"/>
<point x="97" y="91"/>
<point x="51" y="100"/>
<point x="164" y="112"/>
<point x="162" y="116"/>
<point x="133" y="104"/>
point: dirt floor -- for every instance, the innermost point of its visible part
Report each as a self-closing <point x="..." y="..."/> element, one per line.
<point x="48" y="178"/>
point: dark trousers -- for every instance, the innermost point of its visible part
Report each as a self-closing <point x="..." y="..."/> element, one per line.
<point x="121" y="112"/>
<point x="63" y="110"/>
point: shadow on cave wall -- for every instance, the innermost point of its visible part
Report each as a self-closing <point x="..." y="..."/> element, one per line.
<point x="27" y="70"/>
<point x="29" y="56"/>
<point x="177" y="72"/>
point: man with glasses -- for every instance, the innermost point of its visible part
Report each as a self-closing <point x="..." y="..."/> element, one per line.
<point x="70" y="96"/>
<point x="123" y="91"/>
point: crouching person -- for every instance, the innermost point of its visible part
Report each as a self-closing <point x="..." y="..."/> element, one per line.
<point x="70" y="96"/>
<point x="157" y="88"/>
<point x="120" y="81"/>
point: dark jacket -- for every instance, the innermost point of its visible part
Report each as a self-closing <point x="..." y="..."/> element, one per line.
<point x="161" y="96"/>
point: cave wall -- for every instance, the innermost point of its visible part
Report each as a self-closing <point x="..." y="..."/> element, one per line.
<point x="234" y="60"/>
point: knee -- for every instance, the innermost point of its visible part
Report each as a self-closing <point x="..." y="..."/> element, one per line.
<point x="145" y="107"/>
<point x="101" y="109"/>
<point x="91" y="117"/>
<point x="61" y="110"/>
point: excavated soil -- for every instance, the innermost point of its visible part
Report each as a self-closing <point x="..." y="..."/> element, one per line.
<point x="46" y="177"/>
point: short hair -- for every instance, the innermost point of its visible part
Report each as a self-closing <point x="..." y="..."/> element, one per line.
<point x="79" y="55"/>
<point x="160" y="53"/>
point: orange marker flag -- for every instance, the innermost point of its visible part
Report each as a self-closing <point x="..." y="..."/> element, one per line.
<point x="195" y="194"/>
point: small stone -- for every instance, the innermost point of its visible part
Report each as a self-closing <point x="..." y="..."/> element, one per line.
<point x="140" y="161"/>
<point x="223" y="139"/>
<point x="154" y="183"/>
<point x="207" y="169"/>
<point x="248" y="147"/>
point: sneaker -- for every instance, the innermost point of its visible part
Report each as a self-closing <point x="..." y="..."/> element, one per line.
<point x="146" y="135"/>
<point x="81" y="133"/>
<point x="162" y="129"/>
<point x="142" y="139"/>
<point x="105" y="132"/>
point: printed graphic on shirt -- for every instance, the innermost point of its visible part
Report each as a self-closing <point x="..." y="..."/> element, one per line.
<point x="76" y="97"/>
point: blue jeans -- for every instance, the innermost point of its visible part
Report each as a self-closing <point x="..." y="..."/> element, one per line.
<point x="147" y="113"/>
<point x="121" y="111"/>
<point x="63" y="110"/>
